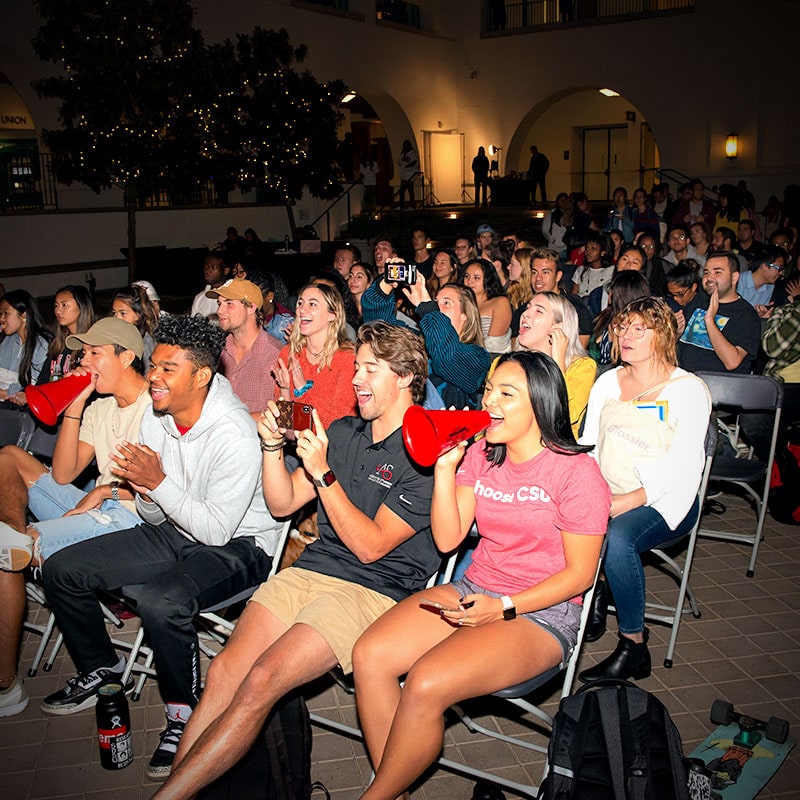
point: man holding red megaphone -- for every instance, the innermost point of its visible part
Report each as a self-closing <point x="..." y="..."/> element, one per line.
<point x="112" y="361"/>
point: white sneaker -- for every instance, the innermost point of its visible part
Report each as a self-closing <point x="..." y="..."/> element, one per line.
<point x="16" y="549"/>
<point x="14" y="699"/>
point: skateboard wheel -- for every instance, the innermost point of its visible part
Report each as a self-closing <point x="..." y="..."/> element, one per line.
<point x="722" y="712"/>
<point x="777" y="730"/>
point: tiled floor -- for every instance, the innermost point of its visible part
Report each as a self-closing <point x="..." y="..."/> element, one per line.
<point x="745" y="648"/>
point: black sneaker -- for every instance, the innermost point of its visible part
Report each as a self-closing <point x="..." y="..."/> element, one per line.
<point x="81" y="690"/>
<point x="160" y="766"/>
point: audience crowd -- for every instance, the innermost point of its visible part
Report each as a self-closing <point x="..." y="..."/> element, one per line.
<point x="176" y="466"/>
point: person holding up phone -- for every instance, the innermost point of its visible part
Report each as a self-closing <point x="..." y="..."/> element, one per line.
<point x="541" y="506"/>
<point x="317" y="363"/>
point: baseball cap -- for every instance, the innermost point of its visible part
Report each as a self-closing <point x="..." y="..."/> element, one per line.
<point x="238" y="289"/>
<point x="485" y="229"/>
<point x="150" y="290"/>
<point x="109" y="330"/>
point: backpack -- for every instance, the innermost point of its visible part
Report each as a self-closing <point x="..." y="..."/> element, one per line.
<point x="784" y="493"/>
<point x="614" y="741"/>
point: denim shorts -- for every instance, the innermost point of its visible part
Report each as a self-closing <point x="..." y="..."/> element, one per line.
<point x="561" y="621"/>
<point x="49" y="501"/>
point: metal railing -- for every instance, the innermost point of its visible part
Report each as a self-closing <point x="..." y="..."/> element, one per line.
<point x="542" y="14"/>
<point x="343" y="197"/>
<point x="27" y="182"/>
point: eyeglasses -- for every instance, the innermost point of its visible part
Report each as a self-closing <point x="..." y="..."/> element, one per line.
<point x="678" y="295"/>
<point x="648" y="247"/>
<point x="679" y="238"/>
<point x="777" y="267"/>
<point x="635" y="331"/>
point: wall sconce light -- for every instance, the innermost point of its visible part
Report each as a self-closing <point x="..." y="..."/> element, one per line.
<point x="351" y="95"/>
<point x="731" y="146"/>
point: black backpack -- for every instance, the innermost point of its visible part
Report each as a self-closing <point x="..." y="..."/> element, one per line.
<point x="614" y="741"/>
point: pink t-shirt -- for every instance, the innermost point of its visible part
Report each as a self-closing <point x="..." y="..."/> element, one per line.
<point x="522" y="510"/>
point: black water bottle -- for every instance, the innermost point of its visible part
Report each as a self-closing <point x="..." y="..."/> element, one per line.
<point x="113" y="727"/>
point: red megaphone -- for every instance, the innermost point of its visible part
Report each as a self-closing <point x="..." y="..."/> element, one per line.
<point x="430" y="434"/>
<point x="48" y="402"/>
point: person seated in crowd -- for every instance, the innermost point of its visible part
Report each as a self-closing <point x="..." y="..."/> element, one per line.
<point x="722" y="331"/>
<point x="450" y="326"/>
<point x="700" y="237"/>
<point x="383" y="250"/>
<point x="556" y="223"/>
<point x="216" y="270"/>
<point x="333" y="279"/>
<point x="582" y="220"/>
<point x="750" y="249"/>
<point x="757" y="285"/>
<point x="723" y="240"/>
<point x="730" y="212"/>
<point x="541" y="508"/>
<point x="314" y="364"/>
<point x="74" y="314"/>
<point x="653" y="487"/>
<point x="199" y="542"/>
<point x="683" y="284"/>
<point x="465" y="250"/>
<point x="250" y="353"/>
<point x="695" y="208"/>
<point x="445" y="270"/>
<point x="620" y="216"/>
<point x="616" y="243"/>
<point x="343" y="259"/>
<point x="278" y="319"/>
<point x="64" y="514"/>
<point x="595" y="270"/>
<point x="481" y="276"/>
<point x="360" y="277"/>
<point x="680" y="246"/>
<point x="632" y="259"/>
<point x="375" y="548"/>
<point x="133" y="305"/>
<point x="550" y="325"/>
<point x="645" y="218"/>
<point x="546" y="276"/>
<point x="420" y="244"/>
<point x="152" y="295"/>
<point x="623" y="288"/>
<point x="520" y="288"/>
<point x="24" y="345"/>
<point x="484" y="237"/>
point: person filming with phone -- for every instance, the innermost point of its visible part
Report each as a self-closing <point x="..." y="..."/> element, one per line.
<point x="375" y="548"/>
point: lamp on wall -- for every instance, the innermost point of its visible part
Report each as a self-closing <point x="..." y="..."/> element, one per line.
<point x="731" y="146"/>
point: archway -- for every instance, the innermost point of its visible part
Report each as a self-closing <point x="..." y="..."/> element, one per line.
<point x="594" y="142"/>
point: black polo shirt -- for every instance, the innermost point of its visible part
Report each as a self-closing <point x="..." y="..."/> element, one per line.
<point x="372" y="475"/>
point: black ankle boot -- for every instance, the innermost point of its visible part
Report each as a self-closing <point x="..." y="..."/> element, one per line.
<point x="629" y="660"/>
<point x="596" y="626"/>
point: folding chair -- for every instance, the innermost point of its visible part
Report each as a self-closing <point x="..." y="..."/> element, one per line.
<point x="516" y="695"/>
<point x="745" y="393"/>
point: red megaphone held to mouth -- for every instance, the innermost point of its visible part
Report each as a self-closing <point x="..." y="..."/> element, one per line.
<point x="49" y="401"/>
<point x="430" y="434"/>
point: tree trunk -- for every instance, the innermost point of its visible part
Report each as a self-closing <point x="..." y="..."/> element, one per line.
<point x="131" y="205"/>
<point x="292" y="225"/>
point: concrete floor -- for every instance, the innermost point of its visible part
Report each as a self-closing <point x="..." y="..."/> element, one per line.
<point x="745" y="648"/>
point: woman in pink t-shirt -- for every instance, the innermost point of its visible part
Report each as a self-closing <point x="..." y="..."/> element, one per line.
<point x="541" y="506"/>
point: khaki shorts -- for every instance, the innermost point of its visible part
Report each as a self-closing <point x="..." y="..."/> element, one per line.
<point x="339" y="611"/>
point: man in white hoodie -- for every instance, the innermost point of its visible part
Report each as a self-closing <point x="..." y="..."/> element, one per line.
<point x="206" y="536"/>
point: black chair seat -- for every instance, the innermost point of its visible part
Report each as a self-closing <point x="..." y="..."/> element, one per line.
<point x="726" y="468"/>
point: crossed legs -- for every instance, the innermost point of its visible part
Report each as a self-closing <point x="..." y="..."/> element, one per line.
<point x="404" y="729"/>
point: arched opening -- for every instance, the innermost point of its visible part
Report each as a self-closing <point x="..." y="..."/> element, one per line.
<point x="20" y="167"/>
<point x="594" y="142"/>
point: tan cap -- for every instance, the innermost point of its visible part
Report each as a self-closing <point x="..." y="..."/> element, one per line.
<point x="109" y="330"/>
<point x="238" y="289"/>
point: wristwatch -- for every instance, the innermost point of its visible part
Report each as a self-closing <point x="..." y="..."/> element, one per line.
<point x="115" y="490"/>
<point x="326" y="480"/>
<point x="509" y="610"/>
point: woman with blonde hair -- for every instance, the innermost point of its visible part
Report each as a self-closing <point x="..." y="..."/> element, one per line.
<point x="520" y="289"/>
<point x="317" y="364"/>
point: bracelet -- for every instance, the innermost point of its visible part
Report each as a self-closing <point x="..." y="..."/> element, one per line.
<point x="69" y="416"/>
<point x="303" y="389"/>
<point x="273" y="448"/>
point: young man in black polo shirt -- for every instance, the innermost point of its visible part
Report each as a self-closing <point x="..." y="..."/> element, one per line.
<point x="375" y="548"/>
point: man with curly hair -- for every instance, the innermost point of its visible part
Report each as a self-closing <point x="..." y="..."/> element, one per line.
<point x="206" y="533"/>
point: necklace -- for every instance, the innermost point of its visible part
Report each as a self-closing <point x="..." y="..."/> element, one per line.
<point x="130" y="413"/>
<point x="312" y="353"/>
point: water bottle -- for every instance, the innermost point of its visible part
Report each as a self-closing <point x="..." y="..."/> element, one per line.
<point x="113" y="727"/>
<point x="286" y="243"/>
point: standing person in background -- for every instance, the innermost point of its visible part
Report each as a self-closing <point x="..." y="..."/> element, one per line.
<point x="420" y="243"/>
<point x="74" y="314"/>
<point x="480" y="173"/>
<point x="369" y="180"/>
<point x="409" y="166"/>
<point x="620" y="217"/>
<point x="537" y="173"/>
<point x="216" y="271"/>
<point x="23" y="349"/>
<point x="556" y="223"/>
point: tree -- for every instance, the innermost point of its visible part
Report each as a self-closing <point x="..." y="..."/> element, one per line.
<point x="270" y="126"/>
<point x="126" y="66"/>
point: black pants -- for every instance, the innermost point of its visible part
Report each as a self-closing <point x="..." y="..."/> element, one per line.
<point x="180" y="578"/>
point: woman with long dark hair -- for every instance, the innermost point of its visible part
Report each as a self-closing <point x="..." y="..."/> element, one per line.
<point x="24" y="346"/>
<point x="481" y="276"/>
<point x="74" y="314"/>
<point x="133" y="305"/>
<point x="541" y="506"/>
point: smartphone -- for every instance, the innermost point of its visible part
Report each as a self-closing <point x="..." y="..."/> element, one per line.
<point x="294" y="416"/>
<point x="400" y="272"/>
<point x="424" y="601"/>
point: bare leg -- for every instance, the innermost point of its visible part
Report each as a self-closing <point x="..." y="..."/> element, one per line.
<point x="296" y="658"/>
<point x="470" y="663"/>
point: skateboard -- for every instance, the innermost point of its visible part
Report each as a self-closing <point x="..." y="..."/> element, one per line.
<point x="743" y="753"/>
